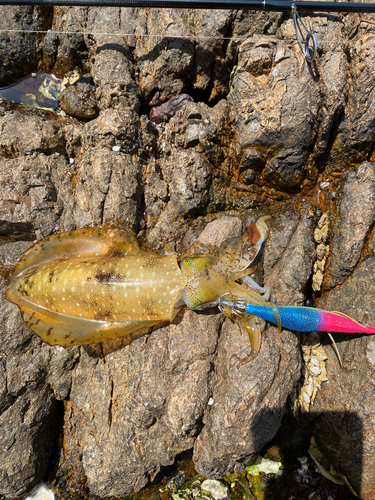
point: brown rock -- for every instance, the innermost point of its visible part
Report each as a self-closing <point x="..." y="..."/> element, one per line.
<point x="25" y="131"/>
<point x="32" y="378"/>
<point x="355" y="136"/>
<point x="270" y="126"/>
<point x="36" y="196"/>
<point x="79" y="99"/>
<point x="63" y="53"/>
<point x="114" y="127"/>
<point x="144" y="404"/>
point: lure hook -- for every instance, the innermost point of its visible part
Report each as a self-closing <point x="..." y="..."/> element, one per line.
<point x="308" y="44"/>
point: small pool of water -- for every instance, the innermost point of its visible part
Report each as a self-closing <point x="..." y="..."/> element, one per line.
<point x="38" y="90"/>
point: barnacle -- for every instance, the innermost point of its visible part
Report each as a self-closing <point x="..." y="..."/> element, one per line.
<point x="322" y="250"/>
<point x="313" y="373"/>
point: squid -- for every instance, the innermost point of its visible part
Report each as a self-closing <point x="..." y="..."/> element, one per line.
<point x="97" y="283"/>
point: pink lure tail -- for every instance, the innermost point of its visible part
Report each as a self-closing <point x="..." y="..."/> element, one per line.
<point x="337" y="322"/>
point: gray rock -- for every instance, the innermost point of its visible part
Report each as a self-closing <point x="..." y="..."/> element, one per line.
<point x="353" y="215"/>
<point x="19" y="52"/>
<point x="345" y="427"/>
<point x="36" y="197"/>
<point x="107" y="188"/>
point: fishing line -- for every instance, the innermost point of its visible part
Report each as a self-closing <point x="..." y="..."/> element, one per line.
<point x="305" y="38"/>
<point x="259" y="37"/>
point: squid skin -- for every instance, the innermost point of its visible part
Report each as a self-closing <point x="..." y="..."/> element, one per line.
<point x="308" y="319"/>
<point x="97" y="283"/>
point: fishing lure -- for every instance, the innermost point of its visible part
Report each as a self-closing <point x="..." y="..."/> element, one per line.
<point x="302" y="319"/>
<point x="97" y="283"/>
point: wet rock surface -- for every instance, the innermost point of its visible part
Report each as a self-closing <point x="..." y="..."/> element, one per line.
<point x="20" y="52"/>
<point x="267" y="134"/>
<point x="79" y="99"/>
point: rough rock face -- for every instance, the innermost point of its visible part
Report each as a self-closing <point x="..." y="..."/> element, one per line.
<point x="267" y="134"/>
<point x="345" y="428"/>
<point x="20" y="51"/>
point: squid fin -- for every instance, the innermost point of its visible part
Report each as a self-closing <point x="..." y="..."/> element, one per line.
<point x="89" y="241"/>
<point x="59" y="329"/>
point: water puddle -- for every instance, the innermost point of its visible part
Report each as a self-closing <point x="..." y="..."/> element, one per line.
<point x="38" y="90"/>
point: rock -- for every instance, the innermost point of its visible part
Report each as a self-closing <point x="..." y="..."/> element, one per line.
<point x="352" y="215"/>
<point x="107" y="188"/>
<point x="344" y="429"/>
<point x="79" y="99"/>
<point x="168" y="109"/>
<point x="63" y="53"/>
<point x="25" y="131"/>
<point x="256" y="120"/>
<point x="289" y="254"/>
<point x="160" y="384"/>
<point x="19" y="52"/>
<point x="215" y="234"/>
<point x="196" y="126"/>
<point x="268" y="72"/>
<point x="354" y="137"/>
<point x="113" y="63"/>
<point x="267" y="134"/>
<point x="188" y="193"/>
<point x="118" y="127"/>
<point x="167" y="52"/>
<point x="35" y="196"/>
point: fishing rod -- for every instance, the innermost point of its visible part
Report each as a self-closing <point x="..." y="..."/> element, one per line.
<point x="265" y="5"/>
<point x="307" y="41"/>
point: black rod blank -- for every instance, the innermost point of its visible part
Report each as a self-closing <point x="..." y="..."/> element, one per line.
<point x="266" y="5"/>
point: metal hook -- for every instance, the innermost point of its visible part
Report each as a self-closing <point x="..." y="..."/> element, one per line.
<point x="308" y="45"/>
